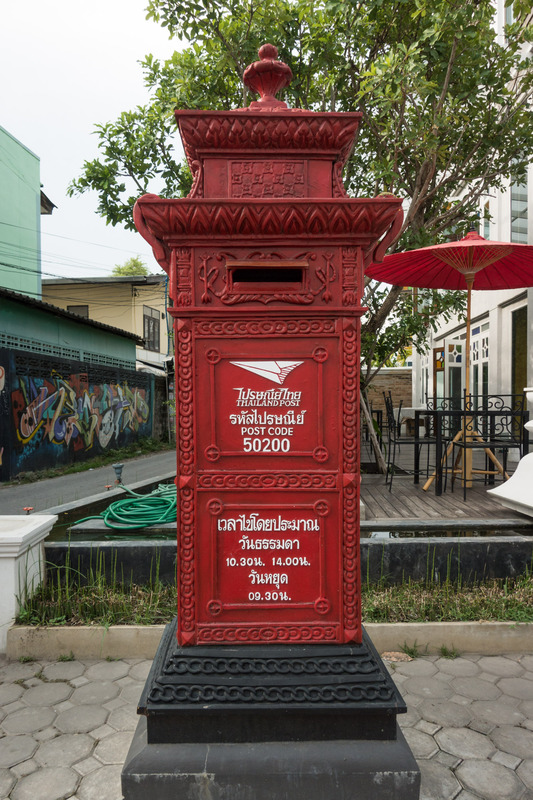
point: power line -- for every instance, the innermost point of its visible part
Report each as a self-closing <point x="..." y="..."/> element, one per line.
<point x="68" y="238"/>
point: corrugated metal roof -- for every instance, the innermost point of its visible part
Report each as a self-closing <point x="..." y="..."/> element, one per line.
<point x="60" y="312"/>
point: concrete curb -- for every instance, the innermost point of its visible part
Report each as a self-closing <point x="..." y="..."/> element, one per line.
<point x="141" y="641"/>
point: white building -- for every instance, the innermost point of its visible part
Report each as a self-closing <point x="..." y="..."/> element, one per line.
<point x="501" y="353"/>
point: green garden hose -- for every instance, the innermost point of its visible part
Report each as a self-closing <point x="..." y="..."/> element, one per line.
<point x="140" y="510"/>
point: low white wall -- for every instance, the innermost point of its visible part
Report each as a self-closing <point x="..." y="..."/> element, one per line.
<point x="21" y="562"/>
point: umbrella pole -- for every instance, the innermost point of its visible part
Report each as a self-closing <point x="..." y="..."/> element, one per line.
<point x="467" y="430"/>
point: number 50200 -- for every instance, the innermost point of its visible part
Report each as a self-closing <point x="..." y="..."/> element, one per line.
<point x="266" y="445"/>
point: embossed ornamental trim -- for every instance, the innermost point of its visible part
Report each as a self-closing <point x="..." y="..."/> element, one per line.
<point x="289" y="130"/>
<point x="206" y="634"/>
<point x="164" y="222"/>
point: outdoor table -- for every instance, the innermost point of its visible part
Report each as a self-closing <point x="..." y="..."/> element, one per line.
<point x="468" y="430"/>
<point x="409" y="415"/>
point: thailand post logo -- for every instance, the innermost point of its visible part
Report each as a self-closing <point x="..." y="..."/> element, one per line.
<point x="275" y="371"/>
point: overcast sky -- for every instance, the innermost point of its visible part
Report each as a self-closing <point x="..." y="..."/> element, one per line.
<point x="67" y="65"/>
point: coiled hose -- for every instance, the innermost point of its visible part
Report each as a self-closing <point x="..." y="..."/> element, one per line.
<point x="140" y="510"/>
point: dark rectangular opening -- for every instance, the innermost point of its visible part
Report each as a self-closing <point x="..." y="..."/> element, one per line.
<point x="267" y="275"/>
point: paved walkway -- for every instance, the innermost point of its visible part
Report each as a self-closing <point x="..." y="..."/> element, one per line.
<point x="65" y="727"/>
<point x="52" y="492"/>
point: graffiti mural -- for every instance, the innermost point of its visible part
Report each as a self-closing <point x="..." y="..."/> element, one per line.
<point x="57" y="416"/>
<point x="69" y="412"/>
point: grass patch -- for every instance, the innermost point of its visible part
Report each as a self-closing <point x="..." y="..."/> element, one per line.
<point x="509" y="600"/>
<point x="103" y="598"/>
<point x="141" y="447"/>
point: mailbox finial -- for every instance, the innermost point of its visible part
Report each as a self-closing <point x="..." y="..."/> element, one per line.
<point x="266" y="77"/>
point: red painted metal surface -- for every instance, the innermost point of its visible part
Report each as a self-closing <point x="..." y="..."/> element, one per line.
<point x="265" y="259"/>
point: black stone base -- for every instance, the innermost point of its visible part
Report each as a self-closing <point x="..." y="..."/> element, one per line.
<point x="271" y="721"/>
<point x="327" y="770"/>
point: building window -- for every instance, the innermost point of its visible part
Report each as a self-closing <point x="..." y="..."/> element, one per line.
<point x="486" y="221"/>
<point x="151" y="329"/>
<point x="81" y="311"/>
<point x="519" y="210"/>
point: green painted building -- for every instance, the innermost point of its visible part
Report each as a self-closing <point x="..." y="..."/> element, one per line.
<point x="20" y="217"/>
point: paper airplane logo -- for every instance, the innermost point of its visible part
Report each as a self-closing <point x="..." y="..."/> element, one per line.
<point x="275" y="371"/>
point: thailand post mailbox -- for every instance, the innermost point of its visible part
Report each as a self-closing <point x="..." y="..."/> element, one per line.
<point x="265" y="259"/>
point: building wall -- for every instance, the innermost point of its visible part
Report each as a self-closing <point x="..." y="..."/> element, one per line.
<point x="397" y="380"/>
<point x="118" y="303"/>
<point x="20" y="221"/>
<point x="55" y="412"/>
<point x="26" y="327"/>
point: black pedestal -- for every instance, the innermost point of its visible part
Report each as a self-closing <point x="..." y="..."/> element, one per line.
<point x="280" y="722"/>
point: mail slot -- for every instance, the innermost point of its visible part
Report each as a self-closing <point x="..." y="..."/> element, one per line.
<point x="265" y="259"/>
<point x="257" y="276"/>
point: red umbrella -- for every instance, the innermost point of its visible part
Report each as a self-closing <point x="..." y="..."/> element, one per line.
<point x="472" y="262"/>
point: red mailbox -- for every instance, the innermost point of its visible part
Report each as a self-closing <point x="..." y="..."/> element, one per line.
<point x="265" y="259"/>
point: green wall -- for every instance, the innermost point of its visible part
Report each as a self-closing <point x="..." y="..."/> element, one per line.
<point x="26" y="321"/>
<point x="20" y="217"/>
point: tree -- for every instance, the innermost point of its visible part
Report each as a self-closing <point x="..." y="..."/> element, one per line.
<point x="446" y="111"/>
<point x="133" y="266"/>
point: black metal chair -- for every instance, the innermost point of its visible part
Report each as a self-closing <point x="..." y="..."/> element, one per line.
<point x="492" y="426"/>
<point x="395" y="440"/>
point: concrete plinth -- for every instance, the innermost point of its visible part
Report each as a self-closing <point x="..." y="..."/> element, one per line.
<point x="21" y="562"/>
<point x="269" y="723"/>
<point x="326" y="770"/>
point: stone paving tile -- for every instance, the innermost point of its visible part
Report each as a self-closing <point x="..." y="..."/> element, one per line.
<point x="66" y="750"/>
<point x="445" y="713"/>
<point x="132" y="693"/>
<point x="438" y="782"/>
<point x="114" y="748"/>
<point x="427" y="727"/>
<point x="500" y="665"/>
<point x="102" y="732"/>
<point x="517" y="741"/>
<point x="464" y="743"/>
<point x="104" y="782"/>
<point x="80" y="681"/>
<point x="27" y="720"/>
<point x="87" y="765"/>
<point x="11" y="707"/>
<point x="422" y="745"/>
<point x="81" y="719"/>
<point x="506" y="760"/>
<point x="49" y="694"/>
<point x="526" y="661"/>
<point x="428" y="687"/>
<point x="469" y="747"/>
<point x="107" y="671"/>
<point x="15" y="671"/>
<point x="490" y="781"/>
<point x="474" y="689"/>
<point x="50" y="783"/>
<point x="45" y="734"/>
<point x="481" y="726"/>
<point x="139" y="672"/>
<point x="95" y="692"/>
<point x="63" y="670"/>
<point x="496" y="712"/>
<point x="10" y="693"/>
<point x="7" y="781"/>
<point x="517" y="687"/>
<point x="525" y="771"/>
<point x="416" y="667"/>
<point x="25" y="768"/>
<point x="490" y="677"/>
<point x="459" y="667"/>
<point x="447" y="759"/>
<point x="126" y="718"/>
